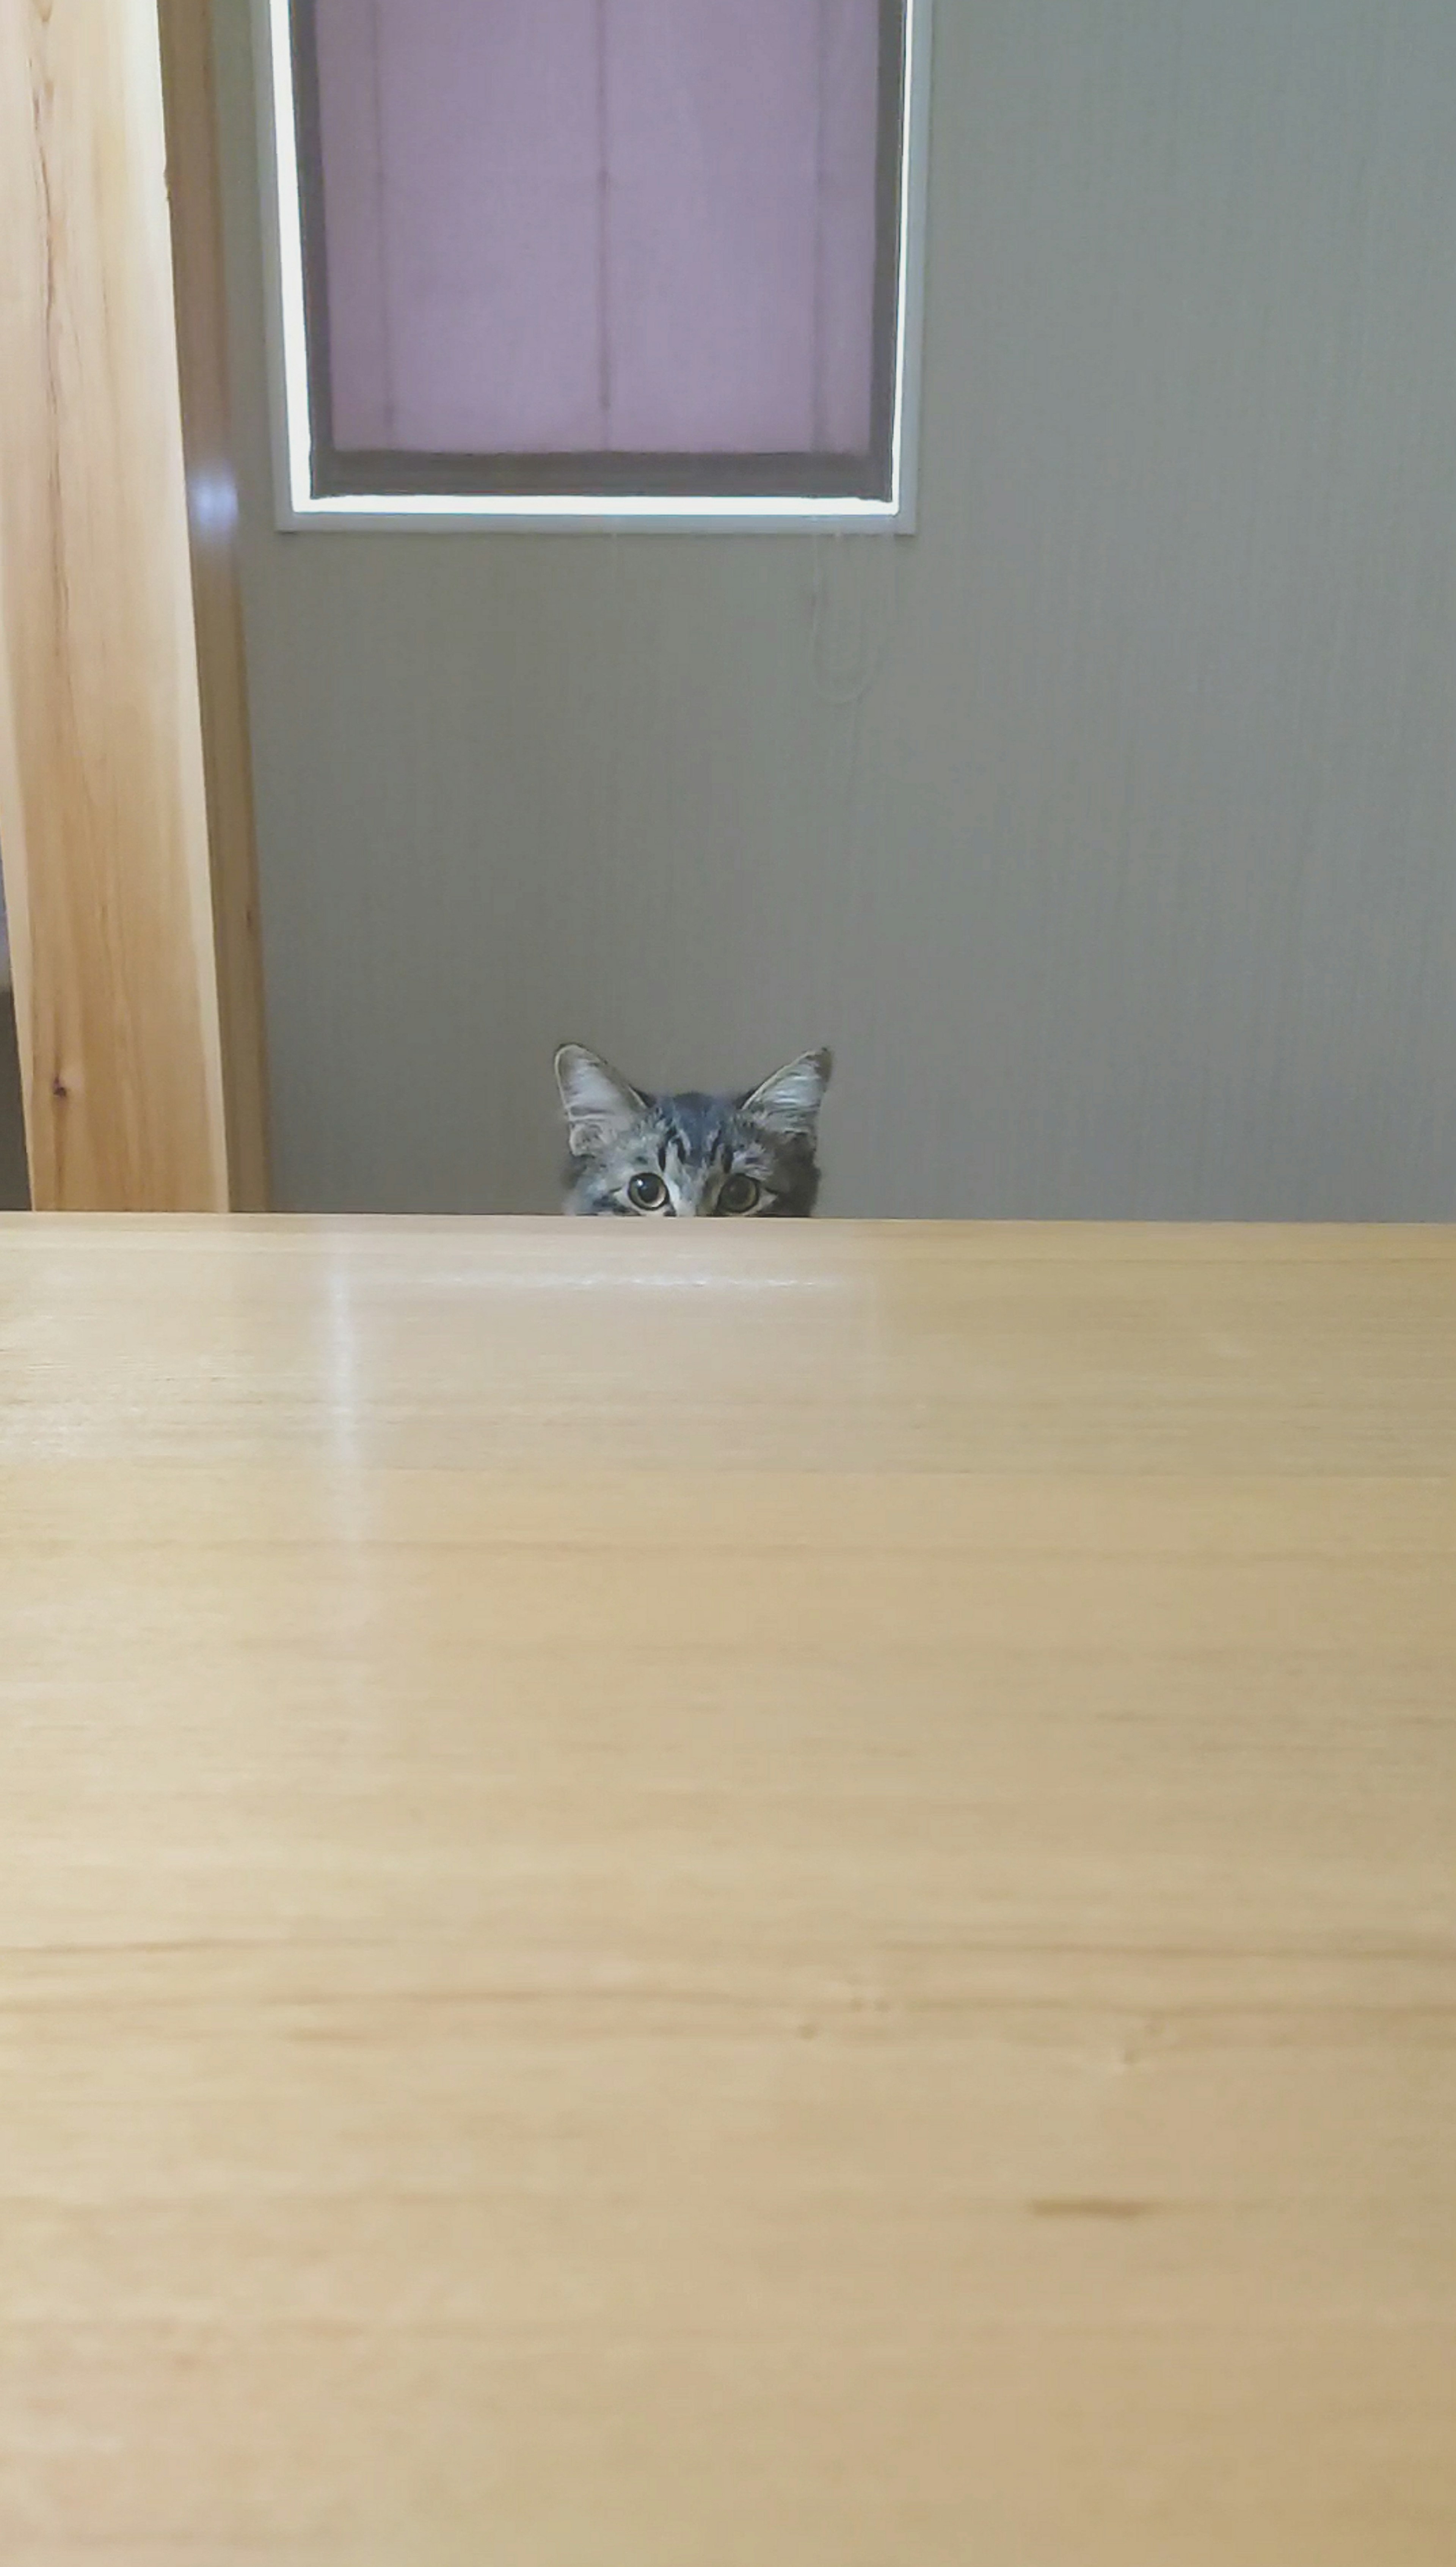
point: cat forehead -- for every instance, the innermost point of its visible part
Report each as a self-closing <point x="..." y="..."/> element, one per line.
<point x="696" y="1125"/>
<point x="691" y="1131"/>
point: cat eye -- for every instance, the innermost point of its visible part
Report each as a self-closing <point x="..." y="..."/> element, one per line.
<point x="739" y="1194"/>
<point x="647" y="1192"/>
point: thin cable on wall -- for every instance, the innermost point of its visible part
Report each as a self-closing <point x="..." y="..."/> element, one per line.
<point x="858" y="604"/>
<point x="844" y="678"/>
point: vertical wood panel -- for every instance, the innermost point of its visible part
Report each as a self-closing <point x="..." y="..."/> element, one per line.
<point x="133" y="1097"/>
<point x="195" y="196"/>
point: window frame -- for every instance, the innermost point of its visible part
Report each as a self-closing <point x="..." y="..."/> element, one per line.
<point x="435" y="503"/>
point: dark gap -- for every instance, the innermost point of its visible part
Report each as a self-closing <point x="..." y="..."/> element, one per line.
<point x="341" y="473"/>
<point x="14" y="1175"/>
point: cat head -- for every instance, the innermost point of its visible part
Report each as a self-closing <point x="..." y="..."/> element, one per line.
<point x="691" y="1156"/>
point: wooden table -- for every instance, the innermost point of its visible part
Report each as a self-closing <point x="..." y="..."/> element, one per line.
<point x="743" y="1896"/>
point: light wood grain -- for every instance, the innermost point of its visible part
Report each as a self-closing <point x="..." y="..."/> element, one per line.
<point x="774" y="1894"/>
<point x="134" y="1099"/>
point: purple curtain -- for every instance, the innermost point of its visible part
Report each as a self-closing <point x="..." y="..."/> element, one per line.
<point x="617" y="225"/>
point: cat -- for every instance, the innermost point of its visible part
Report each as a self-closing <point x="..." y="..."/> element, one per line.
<point x="691" y="1156"/>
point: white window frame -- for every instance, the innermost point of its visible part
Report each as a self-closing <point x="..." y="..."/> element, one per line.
<point x="297" y="506"/>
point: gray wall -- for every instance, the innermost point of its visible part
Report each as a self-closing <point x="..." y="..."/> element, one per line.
<point x="1128" y="886"/>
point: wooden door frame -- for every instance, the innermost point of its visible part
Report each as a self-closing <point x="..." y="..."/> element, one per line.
<point x="125" y="790"/>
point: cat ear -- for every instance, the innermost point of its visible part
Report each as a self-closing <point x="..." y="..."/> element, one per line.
<point x="789" y="1101"/>
<point x="595" y="1100"/>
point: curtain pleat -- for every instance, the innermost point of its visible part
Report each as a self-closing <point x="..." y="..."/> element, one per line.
<point x="646" y="225"/>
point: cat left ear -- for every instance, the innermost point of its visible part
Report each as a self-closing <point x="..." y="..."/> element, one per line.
<point x="789" y="1101"/>
<point x="595" y="1099"/>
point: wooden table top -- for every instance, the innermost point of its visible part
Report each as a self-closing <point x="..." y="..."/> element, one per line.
<point x="735" y="1895"/>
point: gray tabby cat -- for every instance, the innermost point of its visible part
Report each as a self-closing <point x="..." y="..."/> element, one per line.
<point x="690" y="1155"/>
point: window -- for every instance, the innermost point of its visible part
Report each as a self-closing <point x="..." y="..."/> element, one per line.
<point x="601" y="262"/>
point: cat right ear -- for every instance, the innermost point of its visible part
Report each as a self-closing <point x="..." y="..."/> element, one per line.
<point x="788" y="1103"/>
<point x="595" y="1099"/>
